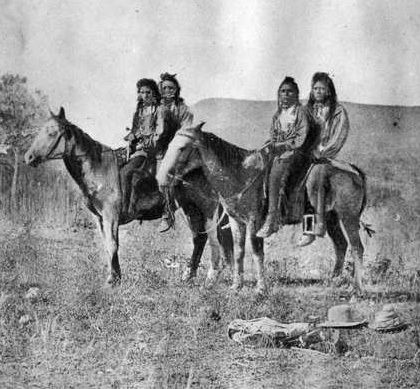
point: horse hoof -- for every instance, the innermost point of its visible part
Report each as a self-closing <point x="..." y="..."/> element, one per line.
<point x="209" y="283"/>
<point x="188" y="276"/>
<point x="357" y="291"/>
<point x="236" y="287"/>
<point x="211" y="279"/>
<point x="261" y="289"/>
<point x="113" y="281"/>
<point x="340" y="281"/>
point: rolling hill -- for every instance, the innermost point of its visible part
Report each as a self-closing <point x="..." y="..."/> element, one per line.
<point x="373" y="127"/>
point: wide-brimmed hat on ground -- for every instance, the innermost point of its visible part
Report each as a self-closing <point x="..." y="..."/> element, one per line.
<point x="343" y="316"/>
<point x="387" y="320"/>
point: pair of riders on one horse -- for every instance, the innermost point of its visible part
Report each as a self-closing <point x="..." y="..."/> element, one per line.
<point x="159" y="114"/>
<point x="301" y="136"/>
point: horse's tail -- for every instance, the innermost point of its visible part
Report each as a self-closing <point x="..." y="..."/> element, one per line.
<point x="363" y="185"/>
<point x="366" y="227"/>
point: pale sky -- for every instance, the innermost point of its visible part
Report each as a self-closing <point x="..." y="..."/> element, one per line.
<point x="88" y="55"/>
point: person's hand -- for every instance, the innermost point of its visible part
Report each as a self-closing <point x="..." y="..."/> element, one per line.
<point x="318" y="152"/>
<point x="279" y="147"/>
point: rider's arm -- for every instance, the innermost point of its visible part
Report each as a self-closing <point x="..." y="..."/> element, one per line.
<point x="136" y="119"/>
<point x="338" y="134"/>
<point x="186" y="116"/>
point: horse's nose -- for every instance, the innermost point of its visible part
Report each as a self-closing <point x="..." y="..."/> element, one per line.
<point x="29" y="158"/>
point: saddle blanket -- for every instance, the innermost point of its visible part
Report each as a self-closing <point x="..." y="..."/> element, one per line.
<point x="265" y="331"/>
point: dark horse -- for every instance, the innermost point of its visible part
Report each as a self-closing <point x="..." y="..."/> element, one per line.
<point x="241" y="191"/>
<point x="95" y="168"/>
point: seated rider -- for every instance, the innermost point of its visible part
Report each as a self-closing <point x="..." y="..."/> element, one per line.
<point x="142" y="138"/>
<point x="333" y="123"/>
<point x="289" y="130"/>
<point x="173" y="114"/>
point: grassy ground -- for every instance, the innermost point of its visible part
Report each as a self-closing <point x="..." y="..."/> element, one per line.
<point x="155" y="332"/>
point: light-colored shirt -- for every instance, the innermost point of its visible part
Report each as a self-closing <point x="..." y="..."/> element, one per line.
<point x="334" y="132"/>
<point x="180" y="113"/>
<point x="290" y="126"/>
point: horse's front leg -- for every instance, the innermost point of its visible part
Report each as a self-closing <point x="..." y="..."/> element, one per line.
<point x="214" y="268"/>
<point x="110" y="238"/>
<point x="257" y="245"/>
<point x="196" y="223"/>
<point x="239" y="234"/>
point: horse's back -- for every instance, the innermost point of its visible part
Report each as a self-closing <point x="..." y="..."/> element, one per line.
<point x="345" y="186"/>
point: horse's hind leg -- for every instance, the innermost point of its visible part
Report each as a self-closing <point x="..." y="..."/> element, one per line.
<point x="214" y="268"/>
<point x="340" y="243"/>
<point x="352" y="225"/>
<point x="110" y="236"/>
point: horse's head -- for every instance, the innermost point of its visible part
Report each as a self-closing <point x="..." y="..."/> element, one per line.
<point x="50" y="142"/>
<point x="180" y="156"/>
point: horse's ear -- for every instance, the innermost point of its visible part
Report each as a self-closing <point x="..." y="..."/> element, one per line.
<point x="200" y="126"/>
<point x="61" y="114"/>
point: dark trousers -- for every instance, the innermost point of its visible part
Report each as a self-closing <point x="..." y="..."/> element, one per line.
<point x="284" y="173"/>
<point x="126" y="177"/>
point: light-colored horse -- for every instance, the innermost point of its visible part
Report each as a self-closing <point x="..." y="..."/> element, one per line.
<point x="95" y="168"/>
<point x="241" y="191"/>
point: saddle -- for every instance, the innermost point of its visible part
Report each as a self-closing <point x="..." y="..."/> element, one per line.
<point x="292" y="205"/>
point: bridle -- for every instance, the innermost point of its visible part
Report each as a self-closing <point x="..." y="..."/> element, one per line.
<point x="53" y="147"/>
<point x="55" y="144"/>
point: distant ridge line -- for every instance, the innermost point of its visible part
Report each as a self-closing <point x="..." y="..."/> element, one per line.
<point x="303" y="101"/>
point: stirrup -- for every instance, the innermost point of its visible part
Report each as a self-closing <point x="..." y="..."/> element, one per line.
<point x="309" y="224"/>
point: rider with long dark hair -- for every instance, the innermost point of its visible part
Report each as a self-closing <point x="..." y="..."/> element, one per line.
<point x="332" y="120"/>
<point x="289" y="130"/>
<point x="173" y="114"/>
<point x="142" y="137"/>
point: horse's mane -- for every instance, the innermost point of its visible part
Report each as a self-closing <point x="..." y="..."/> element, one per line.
<point x="86" y="144"/>
<point x="228" y="153"/>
